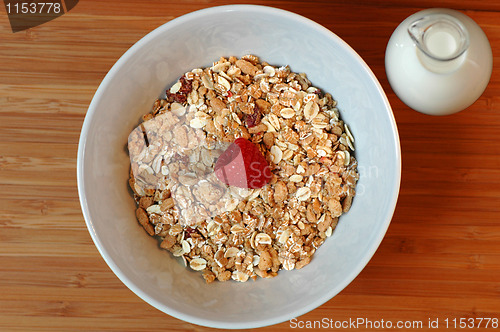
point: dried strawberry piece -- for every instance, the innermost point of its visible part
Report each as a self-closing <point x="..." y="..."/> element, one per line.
<point x="189" y="231"/>
<point x="181" y="95"/>
<point x="186" y="86"/>
<point x="253" y="119"/>
<point x="177" y="97"/>
<point x="242" y="165"/>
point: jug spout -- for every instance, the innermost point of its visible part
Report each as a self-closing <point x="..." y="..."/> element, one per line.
<point x="439" y="36"/>
<point x="441" y="40"/>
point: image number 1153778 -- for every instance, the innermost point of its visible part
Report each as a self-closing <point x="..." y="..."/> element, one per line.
<point x="27" y="14"/>
<point x="33" y="7"/>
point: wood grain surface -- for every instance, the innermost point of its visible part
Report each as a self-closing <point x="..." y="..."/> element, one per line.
<point x="441" y="255"/>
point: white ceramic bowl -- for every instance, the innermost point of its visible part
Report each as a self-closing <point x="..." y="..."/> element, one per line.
<point x="155" y="62"/>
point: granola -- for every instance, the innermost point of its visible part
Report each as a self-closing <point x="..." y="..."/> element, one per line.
<point x="242" y="233"/>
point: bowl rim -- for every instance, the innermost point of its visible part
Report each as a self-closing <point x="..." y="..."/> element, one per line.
<point x="81" y="183"/>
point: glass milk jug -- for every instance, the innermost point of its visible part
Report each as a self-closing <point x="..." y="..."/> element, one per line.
<point x="438" y="61"/>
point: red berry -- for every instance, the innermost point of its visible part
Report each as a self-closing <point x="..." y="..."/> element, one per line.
<point x="243" y="165"/>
